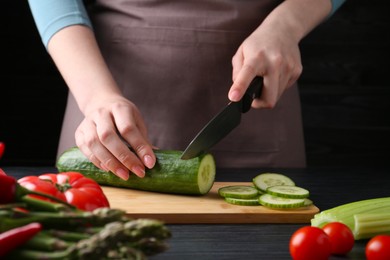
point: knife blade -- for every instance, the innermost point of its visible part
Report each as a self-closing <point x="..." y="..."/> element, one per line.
<point x="224" y="122"/>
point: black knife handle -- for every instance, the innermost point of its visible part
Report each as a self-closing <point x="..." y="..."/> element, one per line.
<point x="253" y="91"/>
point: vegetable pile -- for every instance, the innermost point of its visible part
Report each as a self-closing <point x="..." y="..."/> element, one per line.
<point x="272" y="190"/>
<point x="366" y="218"/>
<point x="334" y="231"/>
<point x="39" y="225"/>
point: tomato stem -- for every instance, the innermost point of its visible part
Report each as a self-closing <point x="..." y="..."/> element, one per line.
<point x="21" y="192"/>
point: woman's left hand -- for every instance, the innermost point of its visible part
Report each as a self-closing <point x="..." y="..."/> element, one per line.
<point x="272" y="54"/>
<point x="272" y="50"/>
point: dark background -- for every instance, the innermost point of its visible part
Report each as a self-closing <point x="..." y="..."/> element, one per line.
<point x="345" y="89"/>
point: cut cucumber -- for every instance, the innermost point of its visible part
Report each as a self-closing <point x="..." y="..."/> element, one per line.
<point x="286" y="191"/>
<point x="238" y="191"/>
<point x="308" y="202"/>
<point x="169" y="175"/>
<point x="276" y="202"/>
<point x="242" y="202"/>
<point x="265" y="180"/>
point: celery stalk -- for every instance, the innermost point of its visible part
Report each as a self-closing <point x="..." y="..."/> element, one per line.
<point x="368" y="225"/>
<point x="355" y="216"/>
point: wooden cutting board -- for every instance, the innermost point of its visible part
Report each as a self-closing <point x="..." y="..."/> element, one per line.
<point x="210" y="208"/>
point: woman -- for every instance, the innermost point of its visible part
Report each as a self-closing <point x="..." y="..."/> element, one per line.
<point x="178" y="63"/>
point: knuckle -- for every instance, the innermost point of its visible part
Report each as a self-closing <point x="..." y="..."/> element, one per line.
<point x="110" y="163"/>
<point x="90" y="141"/>
<point x="106" y="135"/>
<point x="277" y="60"/>
<point x="140" y="149"/>
<point x="128" y="129"/>
<point x="250" y="66"/>
<point x="298" y="70"/>
<point x="94" y="160"/>
<point x="124" y="157"/>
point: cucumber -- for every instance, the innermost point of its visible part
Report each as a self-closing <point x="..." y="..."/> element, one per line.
<point x="238" y="191"/>
<point x="286" y="191"/>
<point x="265" y="180"/>
<point x="242" y="202"/>
<point x="170" y="174"/>
<point x="308" y="202"/>
<point x="276" y="202"/>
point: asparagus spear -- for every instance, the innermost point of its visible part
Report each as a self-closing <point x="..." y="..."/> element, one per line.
<point x="69" y="219"/>
<point x="134" y="239"/>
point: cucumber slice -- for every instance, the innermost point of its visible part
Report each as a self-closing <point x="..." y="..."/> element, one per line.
<point x="308" y="202"/>
<point x="265" y="180"/>
<point x="242" y="202"/>
<point x="285" y="191"/>
<point x="276" y="202"/>
<point x="238" y="191"/>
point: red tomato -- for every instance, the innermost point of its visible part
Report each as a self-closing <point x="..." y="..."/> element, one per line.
<point x="308" y="243"/>
<point x="72" y="187"/>
<point x="378" y="248"/>
<point x="341" y="237"/>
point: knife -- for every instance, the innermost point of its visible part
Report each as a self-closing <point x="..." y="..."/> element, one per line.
<point x="224" y="122"/>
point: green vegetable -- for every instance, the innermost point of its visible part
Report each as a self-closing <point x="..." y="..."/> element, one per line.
<point x="292" y="192"/>
<point x="276" y="202"/>
<point x="243" y="202"/>
<point x="368" y="225"/>
<point x="104" y="233"/>
<point x="238" y="191"/>
<point x="170" y="174"/>
<point x="133" y="239"/>
<point x="308" y="202"/>
<point x="272" y="190"/>
<point x="266" y="180"/>
<point x="366" y="218"/>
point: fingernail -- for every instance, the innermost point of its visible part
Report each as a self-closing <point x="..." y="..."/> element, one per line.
<point x="139" y="171"/>
<point x="148" y="161"/>
<point x="234" y="96"/>
<point x="123" y="174"/>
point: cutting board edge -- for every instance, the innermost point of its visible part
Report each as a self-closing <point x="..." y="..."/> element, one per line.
<point x="230" y="218"/>
<point x="225" y="218"/>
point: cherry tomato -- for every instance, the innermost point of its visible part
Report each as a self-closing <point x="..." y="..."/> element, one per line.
<point x="341" y="237"/>
<point x="72" y="187"/>
<point x="378" y="248"/>
<point x="308" y="243"/>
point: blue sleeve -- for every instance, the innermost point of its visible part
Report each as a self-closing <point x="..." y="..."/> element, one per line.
<point x="50" y="16"/>
<point x="335" y="6"/>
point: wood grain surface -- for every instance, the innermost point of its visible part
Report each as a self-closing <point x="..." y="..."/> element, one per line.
<point x="210" y="208"/>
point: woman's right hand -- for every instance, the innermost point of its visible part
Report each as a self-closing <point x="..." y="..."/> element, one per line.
<point x="111" y="122"/>
<point x="109" y="128"/>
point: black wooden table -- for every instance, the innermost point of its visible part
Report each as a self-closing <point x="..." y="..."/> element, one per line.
<point x="329" y="187"/>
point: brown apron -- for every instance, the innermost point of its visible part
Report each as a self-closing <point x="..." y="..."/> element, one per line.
<point x="172" y="59"/>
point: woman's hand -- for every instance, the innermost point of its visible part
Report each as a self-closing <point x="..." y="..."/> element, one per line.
<point x="106" y="133"/>
<point x="111" y="123"/>
<point x="272" y="50"/>
<point x="271" y="54"/>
